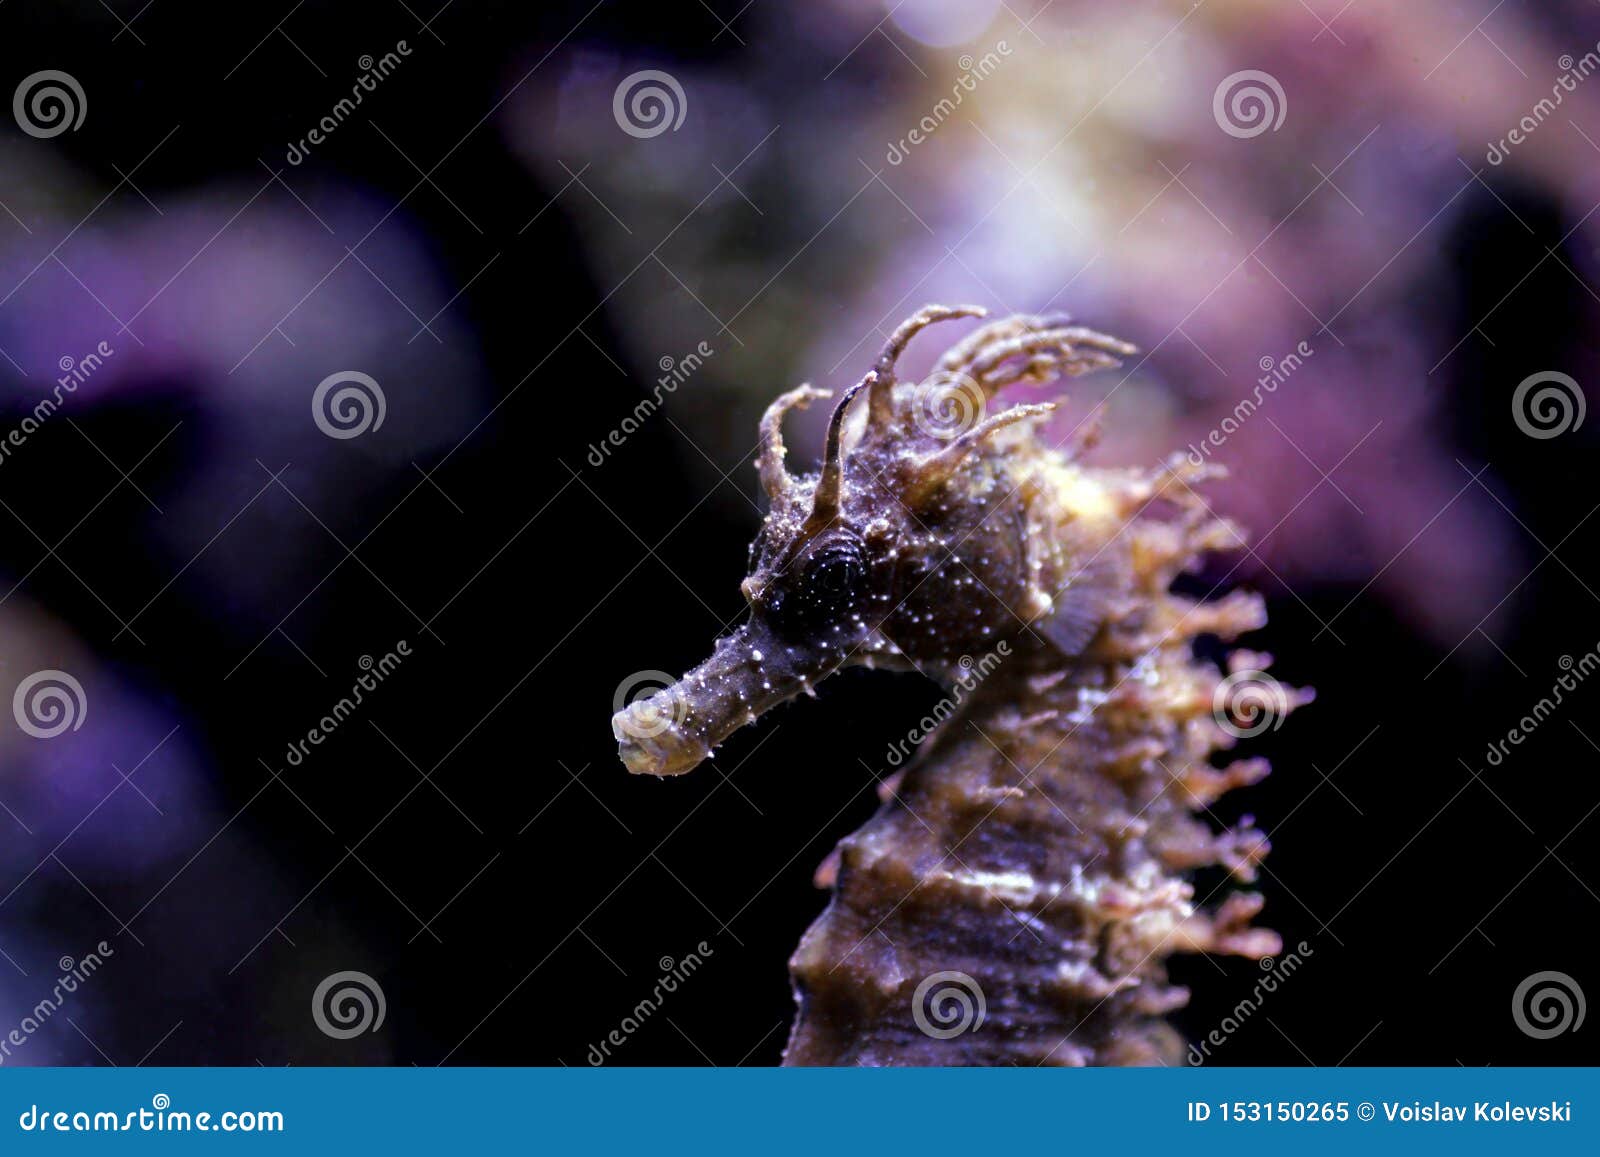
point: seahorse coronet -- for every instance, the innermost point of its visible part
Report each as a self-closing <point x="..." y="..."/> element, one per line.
<point x="1018" y="892"/>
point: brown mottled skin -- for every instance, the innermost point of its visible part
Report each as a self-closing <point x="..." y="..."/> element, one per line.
<point x="1037" y="841"/>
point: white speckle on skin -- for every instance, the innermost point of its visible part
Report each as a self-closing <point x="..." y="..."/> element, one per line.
<point x="1018" y="886"/>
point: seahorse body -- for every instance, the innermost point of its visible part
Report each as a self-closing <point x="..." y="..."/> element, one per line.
<point x="1016" y="896"/>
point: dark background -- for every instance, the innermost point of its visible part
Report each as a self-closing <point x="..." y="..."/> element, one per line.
<point x="515" y="906"/>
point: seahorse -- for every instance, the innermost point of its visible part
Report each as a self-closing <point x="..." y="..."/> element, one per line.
<point x="1016" y="897"/>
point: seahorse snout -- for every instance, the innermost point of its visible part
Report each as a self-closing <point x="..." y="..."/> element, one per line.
<point x="749" y="671"/>
<point x="651" y="738"/>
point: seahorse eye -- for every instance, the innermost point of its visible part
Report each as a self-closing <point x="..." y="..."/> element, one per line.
<point x="826" y="587"/>
<point x="836" y="573"/>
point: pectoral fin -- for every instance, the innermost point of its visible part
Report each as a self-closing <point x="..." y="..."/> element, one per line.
<point x="1079" y="610"/>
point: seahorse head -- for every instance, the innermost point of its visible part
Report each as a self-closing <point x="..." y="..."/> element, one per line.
<point x="910" y="547"/>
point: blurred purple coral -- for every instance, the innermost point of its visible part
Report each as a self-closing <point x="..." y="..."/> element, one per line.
<point x="1109" y="189"/>
<point x="243" y="302"/>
